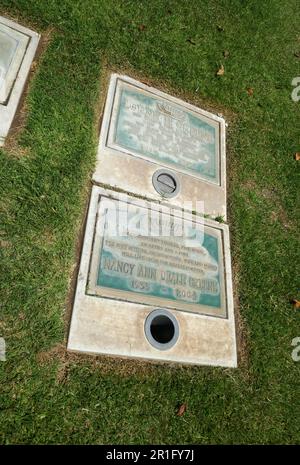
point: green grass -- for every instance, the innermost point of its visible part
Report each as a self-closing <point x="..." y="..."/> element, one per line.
<point x="44" y="185"/>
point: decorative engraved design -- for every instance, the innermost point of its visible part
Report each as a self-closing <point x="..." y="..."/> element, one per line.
<point x="171" y="111"/>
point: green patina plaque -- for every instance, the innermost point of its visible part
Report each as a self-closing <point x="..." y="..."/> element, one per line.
<point x="166" y="133"/>
<point x="182" y="271"/>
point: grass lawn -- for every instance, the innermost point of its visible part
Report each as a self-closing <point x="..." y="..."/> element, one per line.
<point x="48" y="396"/>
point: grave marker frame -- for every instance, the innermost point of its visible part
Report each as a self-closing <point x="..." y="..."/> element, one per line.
<point x="20" y="44"/>
<point x="104" y="324"/>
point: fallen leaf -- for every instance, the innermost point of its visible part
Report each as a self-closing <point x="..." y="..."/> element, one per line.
<point x="297" y="54"/>
<point x="181" y="410"/>
<point x="250" y="91"/>
<point x="191" y="41"/>
<point x="225" y="54"/>
<point x="220" y="71"/>
<point x="297" y="156"/>
<point x="296" y="303"/>
<point x="142" y="27"/>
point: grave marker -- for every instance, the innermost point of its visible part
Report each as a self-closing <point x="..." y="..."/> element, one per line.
<point x="144" y="130"/>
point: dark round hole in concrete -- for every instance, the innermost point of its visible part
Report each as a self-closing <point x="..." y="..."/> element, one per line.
<point x="162" y="329"/>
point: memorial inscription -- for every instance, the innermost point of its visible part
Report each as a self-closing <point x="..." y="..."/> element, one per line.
<point x="166" y="260"/>
<point x="162" y="131"/>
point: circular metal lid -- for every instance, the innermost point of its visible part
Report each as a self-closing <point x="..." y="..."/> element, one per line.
<point x="165" y="183"/>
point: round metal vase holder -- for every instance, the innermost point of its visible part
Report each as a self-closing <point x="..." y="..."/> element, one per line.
<point x="161" y="329"/>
